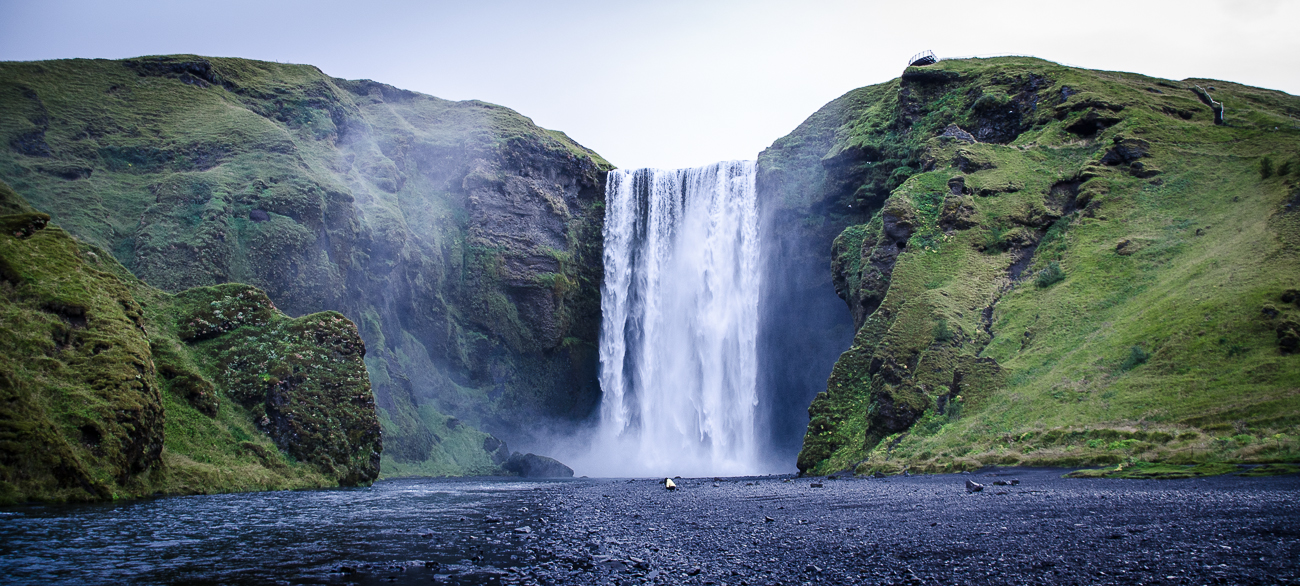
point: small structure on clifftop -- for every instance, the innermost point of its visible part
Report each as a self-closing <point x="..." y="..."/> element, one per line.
<point x="922" y="59"/>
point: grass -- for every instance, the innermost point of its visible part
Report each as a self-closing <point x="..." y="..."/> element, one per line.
<point x="332" y="194"/>
<point x="1149" y="471"/>
<point x="1146" y="314"/>
<point x="115" y="389"/>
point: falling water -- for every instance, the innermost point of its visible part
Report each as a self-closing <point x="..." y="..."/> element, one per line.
<point x="680" y="312"/>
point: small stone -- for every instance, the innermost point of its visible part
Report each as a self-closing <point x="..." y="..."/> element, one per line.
<point x="768" y="520"/>
<point x="972" y="486"/>
<point x="669" y="484"/>
<point x="1015" y="482"/>
<point x="694" y="571"/>
<point x="815" y="485"/>
<point x="523" y="529"/>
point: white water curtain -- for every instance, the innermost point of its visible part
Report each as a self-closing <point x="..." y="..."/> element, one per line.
<point x="680" y="320"/>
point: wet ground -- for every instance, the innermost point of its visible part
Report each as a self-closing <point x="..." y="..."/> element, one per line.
<point x="770" y="530"/>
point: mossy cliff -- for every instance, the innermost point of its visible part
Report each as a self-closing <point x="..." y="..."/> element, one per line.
<point x="111" y="388"/>
<point x="461" y="238"/>
<point x="1055" y="266"/>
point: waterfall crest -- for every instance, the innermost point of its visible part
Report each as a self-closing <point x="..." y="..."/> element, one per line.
<point x="678" y="353"/>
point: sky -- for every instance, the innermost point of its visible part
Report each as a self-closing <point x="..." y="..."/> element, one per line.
<point x="669" y="83"/>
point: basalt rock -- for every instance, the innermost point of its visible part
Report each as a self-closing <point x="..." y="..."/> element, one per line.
<point x="99" y="372"/>
<point x="973" y="307"/>
<point x="464" y="240"/>
<point x="534" y="466"/>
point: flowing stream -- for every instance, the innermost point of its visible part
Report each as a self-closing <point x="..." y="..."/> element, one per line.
<point x="680" y="320"/>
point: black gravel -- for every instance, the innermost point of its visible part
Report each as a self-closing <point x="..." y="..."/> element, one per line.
<point x="1025" y="526"/>
<point x="921" y="530"/>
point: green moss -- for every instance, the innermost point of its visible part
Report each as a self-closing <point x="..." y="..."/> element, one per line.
<point x="1144" y="225"/>
<point x="103" y="398"/>
<point x="1147" y="470"/>
<point x="332" y="194"/>
<point x="1272" y="470"/>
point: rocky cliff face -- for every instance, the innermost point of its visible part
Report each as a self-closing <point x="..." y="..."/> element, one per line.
<point x="1060" y="267"/>
<point x="462" y="239"/>
<point x="112" y="388"/>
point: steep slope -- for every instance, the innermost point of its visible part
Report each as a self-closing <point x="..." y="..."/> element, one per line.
<point x="1070" y="267"/>
<point x="461" y="238"/>
<point x="109" y="387"/>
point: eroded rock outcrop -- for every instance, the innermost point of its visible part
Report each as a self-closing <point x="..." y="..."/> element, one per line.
<point x="461" y="238"/>
<point x="110" y="388"/>
<point x="985" y="310"/>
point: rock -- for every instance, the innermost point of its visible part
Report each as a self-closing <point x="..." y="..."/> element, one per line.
<point x="1015" y="482"/>
<point x="523" y="529"/>
<point x="972" y="486"/>
<point x="1288" y="336"/>
<point x="1126" y="150"/>
<point x="1143" y="171"/>
<point x="815" y="485"/>
<point x="534" y="466"/>
<point x="999" y="483"/>
<point x="669" y="484"/>
<point x="768" y="520"/>
<point x="496" y="450"/>
<point x="694" y="571"/>
<point x="956" y="133"/>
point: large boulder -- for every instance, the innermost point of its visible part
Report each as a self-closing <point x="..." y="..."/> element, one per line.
<point x="534" y="466"/>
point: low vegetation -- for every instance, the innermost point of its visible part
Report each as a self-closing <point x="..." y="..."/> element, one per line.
<point x="112" y="388"/>
<point x="1115" y="274"/>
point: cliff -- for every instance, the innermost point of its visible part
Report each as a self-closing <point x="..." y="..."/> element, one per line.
<point x="1054" y="266"/>
<point x="111" y="388"/>
<point x="463" y="240"/>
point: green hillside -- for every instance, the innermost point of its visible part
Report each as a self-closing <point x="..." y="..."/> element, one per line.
<point x="1085" y="269"/>
<point x="462" y="239"/>
<point x="110" y="388"/>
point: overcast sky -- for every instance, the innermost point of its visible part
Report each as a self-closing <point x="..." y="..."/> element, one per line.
<point x="669" y="83"/>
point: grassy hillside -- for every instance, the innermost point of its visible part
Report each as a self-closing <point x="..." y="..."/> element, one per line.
<point x="1085" y="269"/>
<point x="111" y="388"/>
<point x="461" y="238"/>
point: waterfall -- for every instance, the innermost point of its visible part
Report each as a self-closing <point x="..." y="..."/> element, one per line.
<point x="678" y="335"/>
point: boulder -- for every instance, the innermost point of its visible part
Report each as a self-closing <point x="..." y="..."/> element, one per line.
<point x="534" y="466"/>
<point x="972" y="486"/>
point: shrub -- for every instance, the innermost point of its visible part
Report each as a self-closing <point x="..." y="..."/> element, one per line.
<point x="1266" y="167"/>
<point x="993" y="243"/>
<point x="942" y="333"/>
<point x="1136" y="356"/>
<point x="1049" y="276"/>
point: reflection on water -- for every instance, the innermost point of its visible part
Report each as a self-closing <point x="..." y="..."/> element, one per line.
<point x="408" y="530"/>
